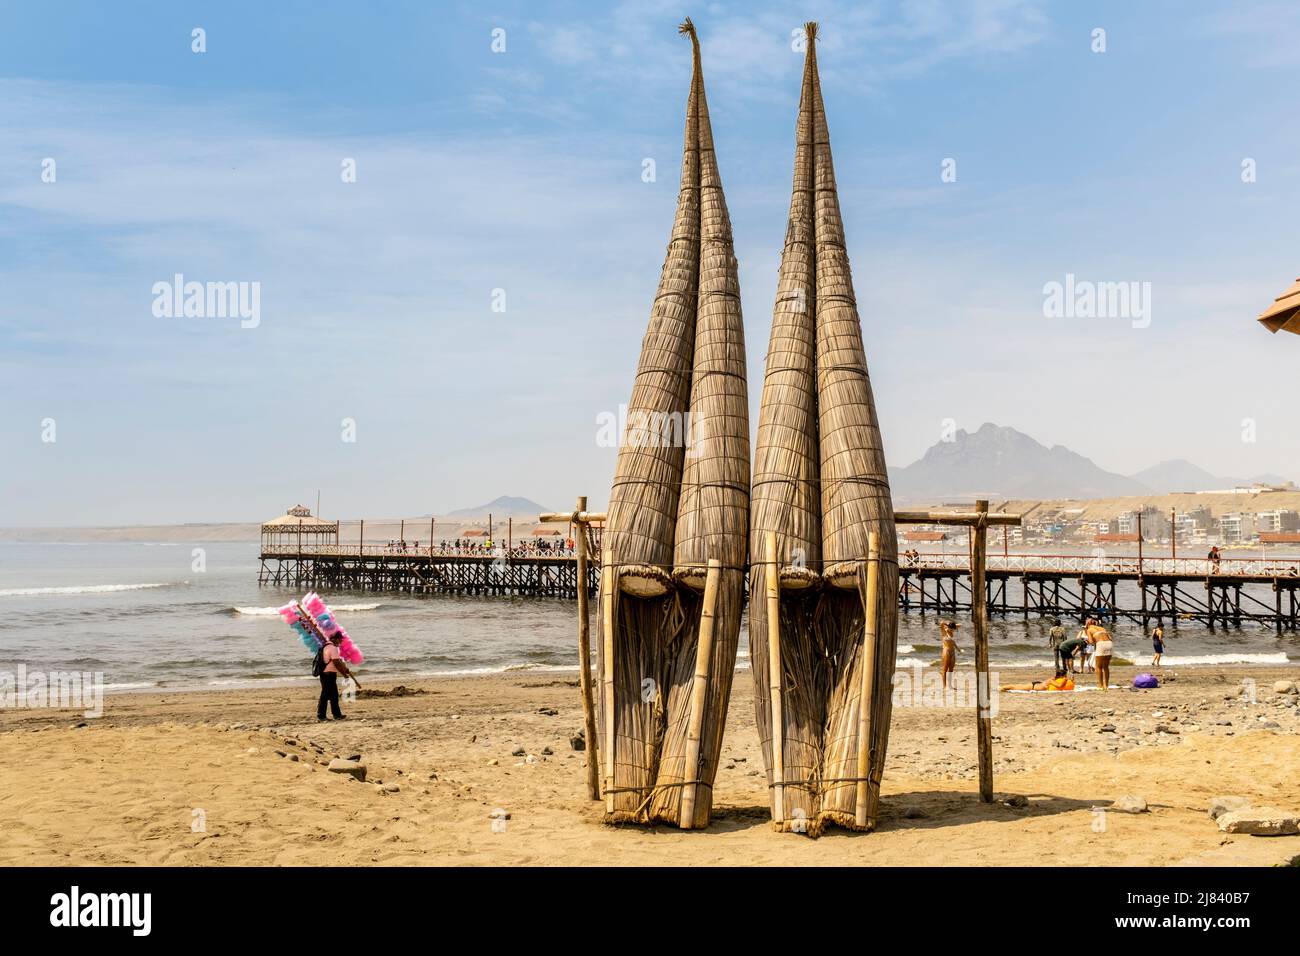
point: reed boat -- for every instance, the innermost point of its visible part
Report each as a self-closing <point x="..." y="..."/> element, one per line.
<point x="674" y="546"/>
<point x="824" y="575"/>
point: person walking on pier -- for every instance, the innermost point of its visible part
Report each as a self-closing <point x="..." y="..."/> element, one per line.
<point x="1054" y="638"/>
<point x="1214" y="557"/>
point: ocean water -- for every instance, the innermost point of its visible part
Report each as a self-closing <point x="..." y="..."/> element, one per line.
<point x="147" y="616"/>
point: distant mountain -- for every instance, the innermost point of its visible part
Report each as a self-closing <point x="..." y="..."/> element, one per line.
<point x="503" y="507"/>
<point x="1178" y="474"/>
<point x="1000" y="462"/>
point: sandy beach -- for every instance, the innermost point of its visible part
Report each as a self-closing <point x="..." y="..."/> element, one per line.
<point x="239" y="777"/>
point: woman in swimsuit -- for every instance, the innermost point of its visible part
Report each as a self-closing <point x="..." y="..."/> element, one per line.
<point x="1157" y="644"/>
<point x="1103" y="646"/>
<point x="1060" y="682"/>
<point x="947" y="631"/>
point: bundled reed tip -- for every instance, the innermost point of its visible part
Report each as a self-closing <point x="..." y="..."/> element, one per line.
<point x="809" y="29"/>
<point x="687" y="27"/>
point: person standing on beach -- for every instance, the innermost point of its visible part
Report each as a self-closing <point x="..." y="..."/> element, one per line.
<point x="1157" y="644"/>
<point x="948" y="662"/>
<point x="329" y="679"/>
<point x="1068" y="647"/>
<point x="1054" y="638"/>
<point x="1103" y="647"/>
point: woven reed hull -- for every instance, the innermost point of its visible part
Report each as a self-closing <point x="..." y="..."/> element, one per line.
<point x="677" y="508"/>
<point x="823" y="477"/>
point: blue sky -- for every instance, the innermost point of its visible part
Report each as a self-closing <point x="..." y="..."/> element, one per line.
<point x="521" y="171"/>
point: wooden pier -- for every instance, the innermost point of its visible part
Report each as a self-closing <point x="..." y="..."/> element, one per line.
<point x="1162" y="590"/>
<point x="427" y="571"/>
<point x="1228" y="593"/>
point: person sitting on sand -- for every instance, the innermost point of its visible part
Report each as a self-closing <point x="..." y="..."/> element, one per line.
<point x="1103" y="647"/>
<point x="1061" y="681"/>
<point x="1157" y="644"/>
<point x="948" y="663"/>
<point x="329" y="679"/>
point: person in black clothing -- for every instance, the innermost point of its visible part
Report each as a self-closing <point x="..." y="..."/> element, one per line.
<point x="329" y="679"/>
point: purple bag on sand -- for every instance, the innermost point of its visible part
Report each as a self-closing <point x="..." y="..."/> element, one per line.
<point x="1146" y="681"/>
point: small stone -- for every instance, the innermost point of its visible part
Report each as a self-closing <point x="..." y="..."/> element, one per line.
<point x="530" y="759"/>
<point x="499" y="814"/>
<point x="1264" y="821"/>
<point x="290" y="741"/>
<point x="518" y="752"/>
<point x="1016" y="800"/>
<point x="294" y="758"/>
<point x="390" y="788"/>
<point x="548" y="711"/>
<point x="547" y="751"/>
<point x="1227" y="804"/>
<point x="1130" y="803"/>
<point x="577" y="743"/>
<point x="493" y="763"/>
<point x="1106" y="729"/>
<point x="281" y="753"/>
<point x="355" y="757"/>
<point x="1166" y="729"/>
<point x="1285" y="687"/>
<point x="351" y="767"/>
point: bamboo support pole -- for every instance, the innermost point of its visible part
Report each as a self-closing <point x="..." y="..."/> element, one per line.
<point x="980" y="618"/>
<point x="955" y="518"/>
<point x="576" y="517"/>
<point x="868" y="680"/>
<point x="699" y="692"/>
<point x="584" y="665"/>
<point x="775" y="677"/>
<point x="607" y="612"/>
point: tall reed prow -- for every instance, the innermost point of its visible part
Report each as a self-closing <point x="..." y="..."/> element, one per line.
<point x="821" y="497"/>
<point x="680" y="500"/>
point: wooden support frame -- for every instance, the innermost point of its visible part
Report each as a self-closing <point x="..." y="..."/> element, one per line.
<point x="861" y="816"/>
<point x="775" y="676"/>
<point x="699" y="694"/>
<point x="584" y="663"/>
<point x="978" y="521"/>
